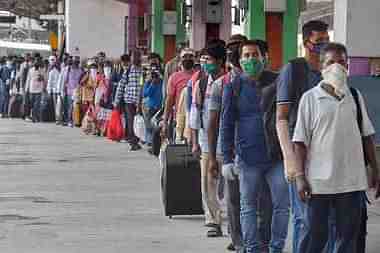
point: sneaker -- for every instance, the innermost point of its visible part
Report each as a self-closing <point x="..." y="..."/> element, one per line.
<point x="135" y="147"/>
<point x="70" y="125"/>
<point x="231" y="247"/>
<point x="27" y="119"/>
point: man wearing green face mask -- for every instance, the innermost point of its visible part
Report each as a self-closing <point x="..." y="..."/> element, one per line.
<point x="214" y="62"/>
<point x="243" y="136"/>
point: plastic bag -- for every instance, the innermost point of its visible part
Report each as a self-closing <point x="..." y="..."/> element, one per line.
<point x="89" y="122"/>
<point x="115" y="128"/>
<point x="139" y="127"/>
<point x="59" y="108"/>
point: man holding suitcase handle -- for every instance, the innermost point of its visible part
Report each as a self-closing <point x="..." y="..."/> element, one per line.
<point x="199" y="119"/>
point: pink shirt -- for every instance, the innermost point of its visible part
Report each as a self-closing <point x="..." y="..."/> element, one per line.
<point x="176" y="83"/>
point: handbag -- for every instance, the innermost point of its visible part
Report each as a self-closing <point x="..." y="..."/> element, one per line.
<point x="115" y="128"/>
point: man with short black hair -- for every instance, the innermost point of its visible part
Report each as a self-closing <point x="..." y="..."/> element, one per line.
<point x="243" y="136"/>
<point x="306" y="71"/>
<point x="332" y="179"/>
<point x="214" y="68"/>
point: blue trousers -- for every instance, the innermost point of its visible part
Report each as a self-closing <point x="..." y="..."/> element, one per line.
<point x="346" y="208"/>
<point x="251" y="179"/>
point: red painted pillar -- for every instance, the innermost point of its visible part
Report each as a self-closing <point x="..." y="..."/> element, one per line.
<point x="169" y="40"/>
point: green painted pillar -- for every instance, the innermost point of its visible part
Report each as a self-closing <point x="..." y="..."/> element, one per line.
<point x="290" y="30"/>
<point x="254" y="27"/>
<point x="181" y="29"/>
<point x="158" y="42"/>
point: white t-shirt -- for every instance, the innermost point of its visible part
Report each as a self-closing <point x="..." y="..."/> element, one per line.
<point x="329" y="129"/>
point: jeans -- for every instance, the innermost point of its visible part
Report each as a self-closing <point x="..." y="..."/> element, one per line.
<point x="148" y="114"/>
<point x="298" y="213"/>
<point x="4" y="98"/>
<point x="68" y="109"/>
<point x="264" y="213"/>
<point x="251" y="178"/>
<point x="346" y="208"/>
<point x="297" y="209"/>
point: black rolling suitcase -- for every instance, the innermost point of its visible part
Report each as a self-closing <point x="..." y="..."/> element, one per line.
<point x="181" y="181"/>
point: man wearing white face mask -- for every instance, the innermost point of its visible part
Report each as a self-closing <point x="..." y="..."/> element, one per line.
<point x="330" y="141"/>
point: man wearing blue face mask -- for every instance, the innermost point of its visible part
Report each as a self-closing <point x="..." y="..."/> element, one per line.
<point x="242" y="133"/>
<point x="295" y="78"/>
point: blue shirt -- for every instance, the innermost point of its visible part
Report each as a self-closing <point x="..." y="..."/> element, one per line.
<point x="284" y="81"/>
<point x="245" y="124"/>
<point x="153" y="95"/>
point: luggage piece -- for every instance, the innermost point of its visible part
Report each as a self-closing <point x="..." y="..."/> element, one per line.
<point x="156" y="141"/>
<point x="47" y="111"/>
<point x="181" y="181"/>
<point x="15" y="106"/>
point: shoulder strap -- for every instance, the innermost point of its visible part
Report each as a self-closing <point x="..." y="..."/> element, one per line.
<point x="203" y="82"/>
<point x="236" y="90"/>
<point x="359" y="114"/>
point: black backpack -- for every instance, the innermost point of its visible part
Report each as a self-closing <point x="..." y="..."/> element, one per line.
<point x="297" y="87"/>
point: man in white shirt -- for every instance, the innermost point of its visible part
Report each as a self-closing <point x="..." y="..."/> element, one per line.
<point x="330" y="155"/>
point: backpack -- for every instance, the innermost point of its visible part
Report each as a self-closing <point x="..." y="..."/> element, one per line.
<point x="299" y="74"/>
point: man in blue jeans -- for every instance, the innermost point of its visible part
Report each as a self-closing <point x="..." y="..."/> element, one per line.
<point x="332" y="133"/>
<point x="242" y="133"/>
<point x="315" y="36"/>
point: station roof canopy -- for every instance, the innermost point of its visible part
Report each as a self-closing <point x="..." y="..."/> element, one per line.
<point x="34" y="8"/>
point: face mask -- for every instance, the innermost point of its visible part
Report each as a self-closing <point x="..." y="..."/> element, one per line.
<point x="317" y="47"/>
<point x="252" y="67"/>
<point x="188" y="64"/>
<point x="336" y="76"/>
<point x="107" y="72"/>
<point x="210" y="68"/>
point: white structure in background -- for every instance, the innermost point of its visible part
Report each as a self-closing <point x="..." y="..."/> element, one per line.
<point x="22" y="25"/>
<point x="357" y="26"/>
<point x="95" y="25"/>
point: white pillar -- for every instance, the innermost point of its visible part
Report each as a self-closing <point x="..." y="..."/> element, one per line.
<point x="95" y="25"/>
<point x="357" y="26"/>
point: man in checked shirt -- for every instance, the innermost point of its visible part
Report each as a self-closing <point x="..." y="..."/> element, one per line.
<point x="129" y="92"/>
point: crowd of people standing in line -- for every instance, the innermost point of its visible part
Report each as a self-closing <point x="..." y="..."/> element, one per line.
<point x="291" y="143"/>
